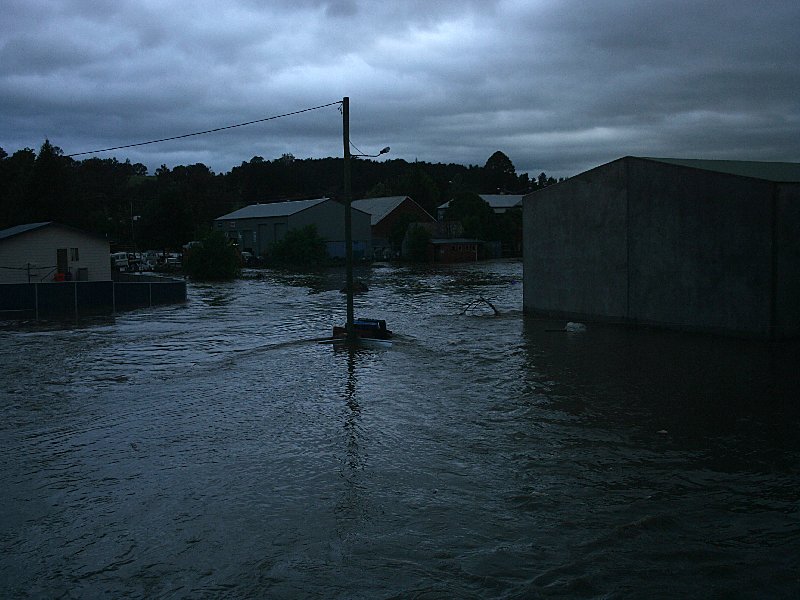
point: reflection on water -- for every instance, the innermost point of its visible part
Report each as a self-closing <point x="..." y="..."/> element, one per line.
<point x="215" y="449"/>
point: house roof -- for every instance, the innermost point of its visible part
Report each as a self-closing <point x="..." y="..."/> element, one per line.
<point x="28" y="227"/>
<point x="496" y="201"/>
<point x="778" y="172"/>
<point x="503" y="200"/>
<point x="380" y="208"/>
<point x="17" y="229"/>
<point x="272" y="209"/>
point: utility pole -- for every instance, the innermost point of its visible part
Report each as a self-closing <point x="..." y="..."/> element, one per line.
<point x="348" y="218"/>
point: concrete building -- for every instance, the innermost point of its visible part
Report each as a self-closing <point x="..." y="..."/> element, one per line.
<point x="690" y="244"/>
<point x="48" y="251"/>
<point x="258" y="226"/>
<point x="385" y="214"/>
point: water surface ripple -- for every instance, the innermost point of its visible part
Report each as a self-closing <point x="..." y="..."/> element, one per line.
<point x="215" y="450"/>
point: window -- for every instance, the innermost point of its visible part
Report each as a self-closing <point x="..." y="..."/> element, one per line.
<point x="73" y="255"/>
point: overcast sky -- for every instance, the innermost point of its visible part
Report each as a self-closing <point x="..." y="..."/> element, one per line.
<point x="559" y="86"/>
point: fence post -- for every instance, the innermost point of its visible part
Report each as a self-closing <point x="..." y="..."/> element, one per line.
<point x="36" y="299"/>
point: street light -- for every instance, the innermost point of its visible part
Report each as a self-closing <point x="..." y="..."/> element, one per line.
<point x="384" y="151"/>
<point x="348" y="219"/>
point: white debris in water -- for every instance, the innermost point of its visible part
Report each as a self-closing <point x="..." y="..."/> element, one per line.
<point x="575" y="327"/>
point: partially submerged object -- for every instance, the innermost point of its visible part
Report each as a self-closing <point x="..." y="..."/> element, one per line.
<point x="476" y="305"/>
<point x="371" y="329"/>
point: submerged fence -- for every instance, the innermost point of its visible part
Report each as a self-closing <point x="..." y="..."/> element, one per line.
<point x="76" y="298"/>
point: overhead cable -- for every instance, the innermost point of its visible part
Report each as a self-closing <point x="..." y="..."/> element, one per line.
<point x="178" y="137"/>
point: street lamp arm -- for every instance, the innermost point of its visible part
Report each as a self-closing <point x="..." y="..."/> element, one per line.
<point x="383" y="151"/>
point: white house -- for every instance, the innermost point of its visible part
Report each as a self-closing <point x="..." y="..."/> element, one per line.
<point x="42" y="252"/>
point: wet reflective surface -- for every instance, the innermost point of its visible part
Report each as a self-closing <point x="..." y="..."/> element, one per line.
<point x="215" y="450"/>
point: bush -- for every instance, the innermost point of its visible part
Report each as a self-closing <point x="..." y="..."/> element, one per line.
<point x="213" y="259"/>
<point x="418" y="240"/>
<point x="299" y="247"/>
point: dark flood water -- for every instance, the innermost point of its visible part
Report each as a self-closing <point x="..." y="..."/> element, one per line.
<point x="212" y="451"/>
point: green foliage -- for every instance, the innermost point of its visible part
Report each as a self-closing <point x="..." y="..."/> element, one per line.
<point x="299" y="248"/>
<point x="120" y="201"/>
<point x="415" y="182"/>
<point x="214" y="259"/>
<point x="399" y="228"/>
<point x="499" y="174"/>
<point x="475" y="215"/>
<point x="417" y="246"/>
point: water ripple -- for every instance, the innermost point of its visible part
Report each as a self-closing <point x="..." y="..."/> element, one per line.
<point x="215" y="449"/>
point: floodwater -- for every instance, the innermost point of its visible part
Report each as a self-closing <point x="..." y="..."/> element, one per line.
<point x="213" y="450"/>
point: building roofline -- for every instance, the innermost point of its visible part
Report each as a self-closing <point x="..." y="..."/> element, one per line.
<point x="17" y="230"/>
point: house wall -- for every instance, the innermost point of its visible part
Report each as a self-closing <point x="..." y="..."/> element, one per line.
<point x="453" y="252"/>
<point x="328" y="217"/>
<point x="651" y="243"/>
<point x="383" y="229"/>
<point x="38" y="247"/>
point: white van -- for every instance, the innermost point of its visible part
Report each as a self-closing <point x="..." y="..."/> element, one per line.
<point x="119" y="260"/>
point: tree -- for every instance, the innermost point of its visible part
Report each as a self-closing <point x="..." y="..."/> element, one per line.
<point x="299" y="248"/>
<point x="50" y="193"/>
<point x="499" y="174"/>
<point x="475" y="215"/>
<point x="213" y="259"/>
<point x="16" y="173"/>
<point x="417" y="245"/>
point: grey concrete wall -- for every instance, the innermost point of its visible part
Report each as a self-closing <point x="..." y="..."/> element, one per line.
<point x="652" y="243"/>
<point x="700" y="248"/>
<point x="787" y="262"/>
<point x="575" y="247"/>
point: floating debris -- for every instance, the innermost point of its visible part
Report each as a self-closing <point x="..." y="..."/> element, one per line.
<point x="475" y="305"/>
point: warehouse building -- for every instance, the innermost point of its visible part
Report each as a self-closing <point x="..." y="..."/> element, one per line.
<point x="699" y="245"/>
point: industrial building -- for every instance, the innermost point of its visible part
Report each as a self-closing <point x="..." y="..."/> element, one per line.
<point x="256" y="227"/>
<point x="701" y="245"/>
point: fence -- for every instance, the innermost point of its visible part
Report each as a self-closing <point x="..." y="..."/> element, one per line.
<point x="76" y="298"/>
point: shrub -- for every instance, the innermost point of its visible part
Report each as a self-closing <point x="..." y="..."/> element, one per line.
<point x="299" y="247"/>
<point x="418" y="239"/>
<point x="213" y="259"/>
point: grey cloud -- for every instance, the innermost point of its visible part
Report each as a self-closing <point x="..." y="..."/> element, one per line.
<point x="557" y="85"/>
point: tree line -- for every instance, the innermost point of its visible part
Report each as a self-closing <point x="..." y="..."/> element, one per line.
<point x="170" y="207"/>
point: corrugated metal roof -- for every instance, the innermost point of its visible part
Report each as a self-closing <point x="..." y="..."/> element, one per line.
<point x="378" y="208"/>
<point x="496" y="200"/>
<point x="502" y="200"/>
<point x="17" y="229"/>
<point x="272" y="209"/>
<point x="779" y="172"/>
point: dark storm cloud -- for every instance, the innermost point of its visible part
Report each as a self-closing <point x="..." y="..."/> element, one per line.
<point x="559" y="86"/>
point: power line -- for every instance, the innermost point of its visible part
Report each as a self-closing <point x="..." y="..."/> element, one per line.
<point x="185" y="135"/>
